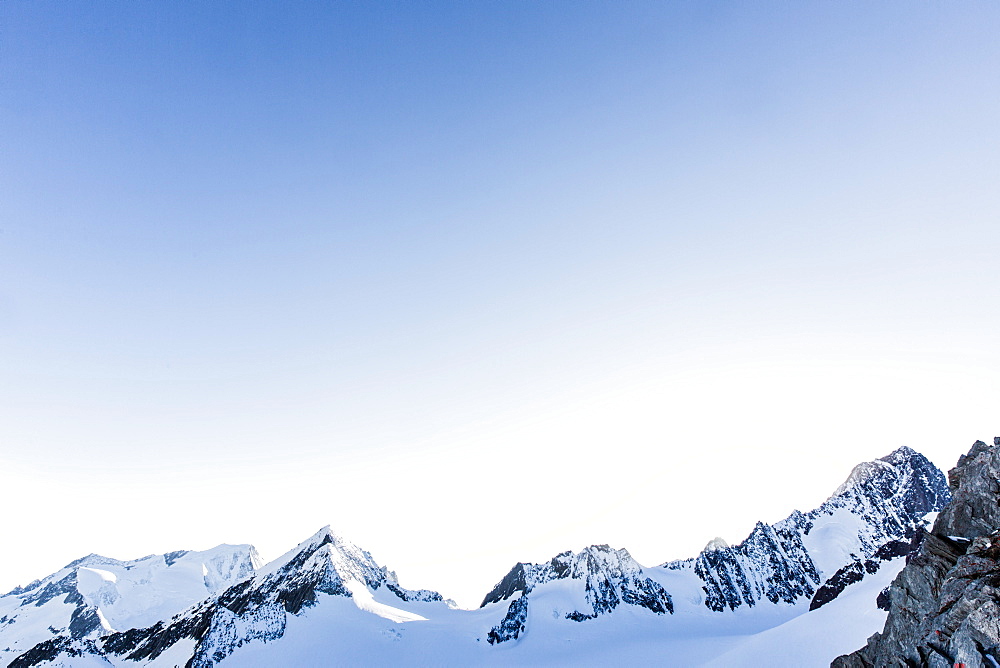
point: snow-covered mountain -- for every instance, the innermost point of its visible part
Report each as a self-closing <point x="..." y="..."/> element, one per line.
<point x="881" y="502"/>
<point x="255" y="608"/>
<point x="95" y="595"/>
<point x="328" y="602"/>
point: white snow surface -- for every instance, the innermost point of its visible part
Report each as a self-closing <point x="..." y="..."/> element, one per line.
<point x="334" y="633"/>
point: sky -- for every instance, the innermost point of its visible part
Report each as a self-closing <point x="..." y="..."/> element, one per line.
<point x="477" y="283"/>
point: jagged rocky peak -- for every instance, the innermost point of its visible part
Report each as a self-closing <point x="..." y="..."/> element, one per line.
<point x="881" y="502"/>
<point x="347" y="562"/>
<point x="944" y="606"/>
<point x="331" y="564"/>
<point x="608" y="578"/>
<point x="327" y="549"/>
<point x="903" y="472"/>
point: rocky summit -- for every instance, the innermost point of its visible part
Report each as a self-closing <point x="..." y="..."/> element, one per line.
<point x="944" y="606"/>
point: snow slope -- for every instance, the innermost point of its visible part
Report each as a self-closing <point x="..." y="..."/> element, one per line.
<point x="331" y="633"/>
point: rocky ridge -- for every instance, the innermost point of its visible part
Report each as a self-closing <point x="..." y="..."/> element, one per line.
<point x="944" y="606"/>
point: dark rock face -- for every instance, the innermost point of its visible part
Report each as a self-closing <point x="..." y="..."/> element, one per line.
<point x="515" y="581"/>
<point x="425" y="595"/>
<point x="170" y="558"/>
<point x="772" y="563"/>
<point x="609" y="577"/>
<point x="49" y="651"/>
<point x="944" y="607"/>
<point x="855" y="572"/>
<point x="882" y="601"/>
<point x="889" y="496"/>
<point x="41" y="595"/>
<point x="513" y="624"/>
<point x="83" y="620"/>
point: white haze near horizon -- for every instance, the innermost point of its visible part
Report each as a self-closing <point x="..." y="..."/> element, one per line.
<point x="475" y="284"/>
<point x="457" y="513"/>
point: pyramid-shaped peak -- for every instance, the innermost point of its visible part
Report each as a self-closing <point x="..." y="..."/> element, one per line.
<point x="331" y="547"/>
<point x="324" y="535"/>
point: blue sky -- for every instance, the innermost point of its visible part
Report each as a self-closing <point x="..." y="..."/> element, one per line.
<point x="421" y="245"/>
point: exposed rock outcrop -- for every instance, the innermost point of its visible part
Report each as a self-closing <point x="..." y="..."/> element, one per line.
<point x="944" y="606"/>
<point x="855" y="571"/>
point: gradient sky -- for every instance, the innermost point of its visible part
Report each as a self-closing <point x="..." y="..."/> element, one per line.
<point x="480" y="282"/>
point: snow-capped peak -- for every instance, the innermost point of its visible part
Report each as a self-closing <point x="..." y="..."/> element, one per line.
<point x="903" y="458"/>
<point x="717" y="543"/>
<point x="348" y="560"/>
<point x="310" y="544"/>
<point x="861" y="474"/>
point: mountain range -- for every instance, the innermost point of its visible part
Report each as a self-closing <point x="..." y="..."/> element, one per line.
<point x="327" y="601"/>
